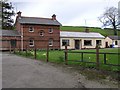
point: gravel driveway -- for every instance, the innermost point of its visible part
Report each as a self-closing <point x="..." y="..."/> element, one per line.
<point x="19" y="72"/>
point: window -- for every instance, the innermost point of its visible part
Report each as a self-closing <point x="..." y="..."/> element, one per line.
<point x="51" y="42"/>
<point x="41" y="33"/>
<point x="31" y="43"/>
<point x="50" y="30"/>
<point x="87" y="42"/>
<point x="31" y="29"/>
<point x="65" y="42"/>
<point x="98" y="42"/>
<point x="116" y="43"/>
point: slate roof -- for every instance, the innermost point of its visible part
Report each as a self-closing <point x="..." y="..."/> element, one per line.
<point x="10" y="33"/>
<point x="67" y="34"/>
<point x="114" y="37"/>
<point x="41" y="21"/>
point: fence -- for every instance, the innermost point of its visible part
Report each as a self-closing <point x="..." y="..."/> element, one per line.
<point x="97" y="56"/>
<point x="65" y="55"/>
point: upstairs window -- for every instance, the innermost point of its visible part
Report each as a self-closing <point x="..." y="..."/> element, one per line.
<point x="50" y="30"/>
<point x="31" y="42"/>
<point x="65" y="42"/>
<point x="50" y="42"/>
<point x="87" y="42"/>
<point x="31" y="29"/>
<point x="41" y="33"/>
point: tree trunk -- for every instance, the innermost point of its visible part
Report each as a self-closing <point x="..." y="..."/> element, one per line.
<point x="115" y="30"/>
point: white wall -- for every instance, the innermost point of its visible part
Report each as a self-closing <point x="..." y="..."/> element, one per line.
<point x="72" y="43"/>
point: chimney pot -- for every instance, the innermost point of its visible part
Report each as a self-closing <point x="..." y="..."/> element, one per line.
<point x="19" y="14"/>
<point x="53" y="17"/>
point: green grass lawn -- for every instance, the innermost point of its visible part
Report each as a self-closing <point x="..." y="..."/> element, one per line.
<point x="58" y="57"/>
<point x="105" y="32"/>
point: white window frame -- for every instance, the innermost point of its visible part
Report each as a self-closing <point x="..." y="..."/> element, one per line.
<point x="41" y="33"/>
<point x="90" y="43"/>
<point x="100" y="43"/>
<point x="50" y="43"/>
<point x="50" y="30"/>
<point x="67" y="42"/>
<point x="31" y="30"/>
<point x="31" y="42"/>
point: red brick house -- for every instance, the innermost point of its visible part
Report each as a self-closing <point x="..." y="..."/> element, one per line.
<point x="34" y="31"/>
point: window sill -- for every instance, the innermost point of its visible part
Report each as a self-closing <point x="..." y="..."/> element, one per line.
<point x="88" y="45"/>
<point x="31" y="45"/>
<point x="31" y="31"/>
<point x="41" y="35"/>
<point x="50" y="45"/>
<point x="50" y="32"/>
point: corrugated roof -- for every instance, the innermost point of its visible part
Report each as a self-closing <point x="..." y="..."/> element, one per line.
<point x="80" y="34"/>
<point x="10" y="33"/>
<point x="114" y="37"/>
<point x="35" y="20"/>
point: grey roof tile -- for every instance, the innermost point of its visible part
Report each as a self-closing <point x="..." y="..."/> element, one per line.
<point x="10" y="33"/>
<point x="80" y="34"/>
<point x="114" y="37"/>
<point x="35" y="20"/>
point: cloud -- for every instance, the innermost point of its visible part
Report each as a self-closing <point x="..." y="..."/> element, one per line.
<point x="69" y="12"/>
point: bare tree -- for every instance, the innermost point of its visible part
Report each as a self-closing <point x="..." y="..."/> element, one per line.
<point x="110" y="18"/>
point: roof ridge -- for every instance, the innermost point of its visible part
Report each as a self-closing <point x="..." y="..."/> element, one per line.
<point x="36" y="17"/>
<point x="78" y="31"/>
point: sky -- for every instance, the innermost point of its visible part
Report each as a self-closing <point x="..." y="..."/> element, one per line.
<point x="68" y="12"/>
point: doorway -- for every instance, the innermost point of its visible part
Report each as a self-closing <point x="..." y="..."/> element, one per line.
<point x="77" y="44"/>
<point x="13" y="43"/>
<point x="106" y="44"/>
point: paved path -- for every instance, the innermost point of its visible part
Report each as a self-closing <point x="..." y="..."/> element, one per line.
<point x="19" y="72"/>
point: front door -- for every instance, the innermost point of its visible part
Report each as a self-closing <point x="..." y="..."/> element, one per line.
<point x="13" y="43"/>
<point x="77" y="44"/>
<point x="106" y="44"/>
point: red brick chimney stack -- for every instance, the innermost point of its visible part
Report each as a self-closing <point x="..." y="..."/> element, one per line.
<point x="53" y="17"/>
<point x="19" y="14"/>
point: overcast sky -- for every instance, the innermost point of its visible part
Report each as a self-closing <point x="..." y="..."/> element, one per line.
<point x="69" y="12"/>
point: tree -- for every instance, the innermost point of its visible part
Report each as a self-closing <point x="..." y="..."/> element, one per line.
<point x="110" y="18"/>
<point x="7" y="13"/>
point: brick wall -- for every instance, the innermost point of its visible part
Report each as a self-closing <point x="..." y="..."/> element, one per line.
<point x="6" y="42"/>
<point x="41" y="41"/>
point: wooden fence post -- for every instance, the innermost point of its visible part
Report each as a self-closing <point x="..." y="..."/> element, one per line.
<point x="104" y="58"/>
<point x="66" y="55"/>
<point x="97" y="56"/>
<point x="26" y="50"/>
<point x="19" y="49"/>
<point x="14" y="49"/>
<point x="82" y="56"/>
<point x="10" y="46"/>
<point x="47" y="55"/>
<point x="35" y="51"/>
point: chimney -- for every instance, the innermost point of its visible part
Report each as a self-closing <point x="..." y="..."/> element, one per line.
<point x="53" y="17"/>
<point x="87" y="30"/>
<point x="19" y="14"/>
